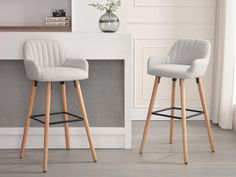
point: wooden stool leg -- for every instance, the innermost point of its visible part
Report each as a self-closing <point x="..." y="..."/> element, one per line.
<point x="207" y="121"/>
<point x="173" y="95"/>
<point x="65" y="116"/>
<point x="184" y="126"/>
<point x="149" y="114"/>
<point x="85" y="118"/>
<point x="27" y="122"/>
<point x="46" y="126"/>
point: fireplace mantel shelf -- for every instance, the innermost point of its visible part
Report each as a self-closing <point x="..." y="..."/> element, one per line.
<point x="35" y="29"/>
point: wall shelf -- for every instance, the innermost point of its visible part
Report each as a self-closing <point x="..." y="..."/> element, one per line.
<point x="35" y="29"/>
<point x="30" y="15"/>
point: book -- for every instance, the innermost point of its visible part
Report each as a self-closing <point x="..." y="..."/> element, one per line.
<point x="67" y="23"/>
<point x="57" y="19"/>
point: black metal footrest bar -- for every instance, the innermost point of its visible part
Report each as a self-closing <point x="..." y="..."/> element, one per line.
<point x="77" y="118"/>
<point x="197" y="113"/>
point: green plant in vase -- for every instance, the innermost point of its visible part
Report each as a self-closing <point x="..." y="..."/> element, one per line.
<point x="108" y="22"/>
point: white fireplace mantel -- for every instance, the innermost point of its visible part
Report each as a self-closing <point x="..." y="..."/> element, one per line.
<point x="92" y="46"/>
<point x="84" y="45"/>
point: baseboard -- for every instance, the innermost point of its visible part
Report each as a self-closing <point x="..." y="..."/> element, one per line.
<point x="140" y="114"/>
<point x="104" y="137"/>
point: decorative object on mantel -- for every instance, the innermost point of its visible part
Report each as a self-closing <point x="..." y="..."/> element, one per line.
<point x="109" y="22"/>
<point x="59" y="13"/>
<point x="58" y="18"/>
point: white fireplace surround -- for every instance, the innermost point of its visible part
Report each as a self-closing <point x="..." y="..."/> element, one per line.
<point x="91" y="46"/>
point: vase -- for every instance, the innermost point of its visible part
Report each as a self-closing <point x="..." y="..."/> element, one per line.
<point x="109" y="22"/>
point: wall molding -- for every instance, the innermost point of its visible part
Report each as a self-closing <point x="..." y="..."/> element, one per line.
<point x="159" y="22"/>
<point x="136" y="4"/>
<point x="189" y="99"/>
<point x="139" y="111"/>
<point x="104" y="137"/>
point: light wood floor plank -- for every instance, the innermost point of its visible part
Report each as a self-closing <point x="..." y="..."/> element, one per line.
<point x="160" y="158"/>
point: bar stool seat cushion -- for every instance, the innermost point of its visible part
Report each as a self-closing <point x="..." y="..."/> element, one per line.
<point x="187" y="59"/>
<point x="45" y="61"/>
<point x="170" y="71"/>
<point x="62" y="74"/>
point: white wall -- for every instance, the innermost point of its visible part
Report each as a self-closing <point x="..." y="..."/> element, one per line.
<point x="155" y="25"/>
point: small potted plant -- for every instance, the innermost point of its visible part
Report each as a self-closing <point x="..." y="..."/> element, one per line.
<point x="108" y="22"/>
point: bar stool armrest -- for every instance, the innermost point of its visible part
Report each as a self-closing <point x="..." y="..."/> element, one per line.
<point x="32" y="69"/>
<point x="199" y="67"/>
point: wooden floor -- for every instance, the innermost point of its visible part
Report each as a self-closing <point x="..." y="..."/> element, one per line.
<point x="160" y="159"/>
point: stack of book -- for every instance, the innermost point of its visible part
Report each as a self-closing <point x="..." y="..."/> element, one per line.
<point x="58" y="21"/>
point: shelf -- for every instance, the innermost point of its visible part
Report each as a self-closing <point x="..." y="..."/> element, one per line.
<point x="35" y="29"/>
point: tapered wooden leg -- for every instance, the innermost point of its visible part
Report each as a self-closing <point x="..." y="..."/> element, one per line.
<point x="46" y="126"/>
<point x="65" y="116"/>
<point x="27" y="122"/>
<point x="85" y="118"/>
<point x="184" y="126"/>
<point x="149" y="114"/>
<point x="173" y="94"/>
<point x="207" y="121"/>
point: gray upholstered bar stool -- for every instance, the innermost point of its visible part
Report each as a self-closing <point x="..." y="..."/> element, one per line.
<point x="45" y="62"/>
<point x="187" y="59"/>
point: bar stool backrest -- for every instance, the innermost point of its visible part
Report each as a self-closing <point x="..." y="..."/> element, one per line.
<point x="45" y="53"/>
<point x="185" y="51"/>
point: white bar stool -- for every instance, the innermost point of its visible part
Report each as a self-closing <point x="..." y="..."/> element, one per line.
<point x="45" y="62"/>
<point x="187" y="59"/>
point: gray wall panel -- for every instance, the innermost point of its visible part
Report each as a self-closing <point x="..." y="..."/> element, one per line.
<point x="103" y="94"/>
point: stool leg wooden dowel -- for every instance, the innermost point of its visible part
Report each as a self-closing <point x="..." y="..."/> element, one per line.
<point x="207" y="121"/>
<point x="173" y="95"/>
<point x="27" y="122"/>
<point x="65" y="116"/>
<point x="184" y="126"/>
<point x="85" y="118"/>
<point x="46" y="126"/>
<point x="149" y="114"/>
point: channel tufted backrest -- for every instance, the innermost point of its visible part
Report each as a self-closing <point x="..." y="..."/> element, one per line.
<point x="45" y="53"/>
<point x="185" y="51"/>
